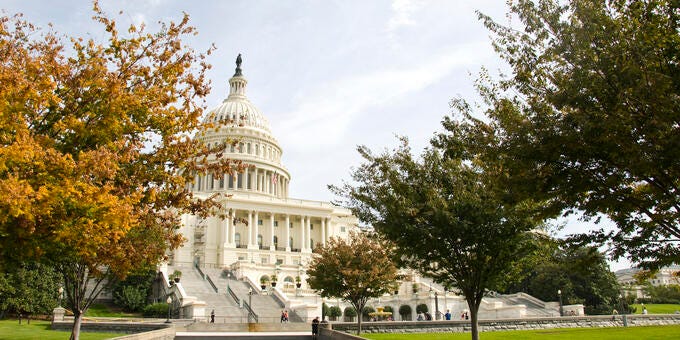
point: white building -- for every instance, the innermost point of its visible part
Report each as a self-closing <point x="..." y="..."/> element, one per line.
<point x="265" y="233"/>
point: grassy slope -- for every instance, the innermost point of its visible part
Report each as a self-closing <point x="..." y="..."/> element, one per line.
<point x="657" y="308"/>
<point x="11" y="329"/>
<point x="618" y="333"/>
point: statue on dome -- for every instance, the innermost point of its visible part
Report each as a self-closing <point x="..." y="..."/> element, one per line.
<point x="238" y="66"/>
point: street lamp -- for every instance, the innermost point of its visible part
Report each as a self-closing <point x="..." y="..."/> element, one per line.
<point x="436" y="307"/>
<point x="169" y="301"/>
<point x="250" y="303"/>
<point x="559" y="294"/>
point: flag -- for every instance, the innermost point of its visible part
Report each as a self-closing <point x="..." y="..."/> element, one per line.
<point x="275" y="178"/>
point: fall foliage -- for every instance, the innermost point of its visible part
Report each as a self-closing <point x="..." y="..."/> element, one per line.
<point x="96" y="148"/>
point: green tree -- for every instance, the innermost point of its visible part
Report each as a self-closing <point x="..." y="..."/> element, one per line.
<point x="588" y="118"/>
<point x="581" y="274"/>
<point x="354" y="270"/>
<point x="446" y="215"/>
<point x="30" y="289"/>
<point x="132" y="293"/>
<point x="97" y="154"/>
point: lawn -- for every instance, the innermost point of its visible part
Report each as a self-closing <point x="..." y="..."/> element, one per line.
<point x="104" y="310"/>
<point x="11" y="329"/>
<point x="615" y="333"/>
<point x="657" y="308"/>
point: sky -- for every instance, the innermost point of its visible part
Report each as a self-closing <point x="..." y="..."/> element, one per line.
<point x="328" y="75"/>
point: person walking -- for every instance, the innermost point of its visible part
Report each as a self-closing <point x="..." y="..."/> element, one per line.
<point x="315" y="328"/>
<point x="212" y="316"/>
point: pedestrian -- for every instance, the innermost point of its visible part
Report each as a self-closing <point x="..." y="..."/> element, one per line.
<point x="644" y="310"/>
<point x="283" y="316"/>
<point x="447" y="316"/>
<point x="467" y="317"/>
<point x="212" y="316"/>
<point x="315" y="328"/>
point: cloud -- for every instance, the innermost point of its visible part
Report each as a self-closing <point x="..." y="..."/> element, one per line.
<point x="402" y="11"/>
<point x="325" y="113"/>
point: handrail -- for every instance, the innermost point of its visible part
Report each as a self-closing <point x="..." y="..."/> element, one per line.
<point x="212" y="283"/>
<point x="233" y="295"/>
<point x="250" y="310"/>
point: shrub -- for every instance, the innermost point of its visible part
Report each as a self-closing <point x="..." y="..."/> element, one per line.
<point x="156" y="310"/>
<point x="334" y="312"/>
<point x="389" y="309"/>
<point x="421" y="308"/>
<point x="325" y="310"/>
<point x="405" y="312"/>
<point x="350" y="312"/>
<point x="130" y="298"/>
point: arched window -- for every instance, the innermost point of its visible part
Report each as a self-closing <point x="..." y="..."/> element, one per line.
<point x="237" y="239"/>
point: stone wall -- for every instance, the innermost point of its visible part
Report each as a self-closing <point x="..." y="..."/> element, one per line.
<point x="110" y="327"/>
<point x="161" y="334"/>
<point x="510" y="324"/>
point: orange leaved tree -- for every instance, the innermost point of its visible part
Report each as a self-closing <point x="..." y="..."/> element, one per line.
<point x="96" y="149"/>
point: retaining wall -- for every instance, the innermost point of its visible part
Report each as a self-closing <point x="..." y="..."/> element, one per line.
<point x="509" y="324"/>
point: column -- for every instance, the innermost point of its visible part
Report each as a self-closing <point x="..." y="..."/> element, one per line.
<point x="250" y="229"/>
<point x="256" y="229"/>
<point x="232" y="228"/>
<point x="253" y="180"/>
<point x="287" y="233"/>
<point x="271" y="235"/>
<point x="308" y="234"/>
<point x="323" y="231"/>
<point x="302" y="233"/>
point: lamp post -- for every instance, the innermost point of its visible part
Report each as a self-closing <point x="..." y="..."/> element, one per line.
<point x="61" y="294"/>
<point x="559" y="294"/>
<point x="250" y="303"/>
<point x="436" y="307"/>
<point x="169" y="301"/>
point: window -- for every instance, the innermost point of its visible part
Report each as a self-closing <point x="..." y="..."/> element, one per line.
<point x="237" y="240"/>
<point x="342" y="229"/>
<point x="259" y="222"/>
<point x="279" y="261"/>
<point x="290" y="242"/>
<point x="222" y="182"/>
<point x="311" y="226"/>
<point x="264" y="260"/>
<point x="290" y="225"/>
<point x="248" y="148"/>
<point x="276" y="223"/>
<point x="276" y="241"/>
<point x="311" y="243"/>
<point x="259" y="240"/>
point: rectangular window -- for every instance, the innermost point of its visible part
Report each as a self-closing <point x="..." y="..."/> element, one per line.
<point x="311" y="226"/>
<point x="291" y="225"/>
<point x="342" y="229"/>
<point x="259" y="222"/>
<point x="276" y="223"/>
<point x="279" y="261"/>
<point x="265" y="260"/>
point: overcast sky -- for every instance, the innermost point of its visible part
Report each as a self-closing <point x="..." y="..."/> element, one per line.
<point x="329" y="75"/>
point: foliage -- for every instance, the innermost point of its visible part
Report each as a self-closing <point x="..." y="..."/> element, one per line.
<point x="446" y="214"/>
<point x="131" y="294"/>
<point x="404" y="310"/>
<point x="588" y="118"/>
<point x="350" y="312"/>
<point x="421" y="308"/>
<point x="366" y="310"/>
<point x="156" y="310"/>
<point x="581" y="274"/>
<point x="31" y="289"/>
<point x="666" y="294"/>
<point x="131" y="298"/>
<point x="107" y="310"/>
<point x="353" y="269"/>
<point x="96" y="149"/>
<point x="389" y="309"/>
<point x="334" y="311"/>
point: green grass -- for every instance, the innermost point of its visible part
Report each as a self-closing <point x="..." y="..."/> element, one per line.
<point x="104" y="310"/>
<point x="614" y="333"/>
<point x="40" y="330"/>
<point x="657" y="308"/>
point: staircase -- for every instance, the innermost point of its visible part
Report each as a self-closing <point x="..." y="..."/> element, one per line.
<point x="227" y="310"/>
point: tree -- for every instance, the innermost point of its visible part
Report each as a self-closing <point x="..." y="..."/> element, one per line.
<point x="588" y="119"/>
<point x="354" y="270"/>
<point x="31" y="289"/>
<point x="97" y="154"/>
<point x="445" y="214"/>
<point x="581" y="274"/>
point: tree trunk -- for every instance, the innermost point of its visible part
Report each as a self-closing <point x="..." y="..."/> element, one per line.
<point x="75" y="332"/>
<point x="474" y="326"/>
<point x="359" y="322"/>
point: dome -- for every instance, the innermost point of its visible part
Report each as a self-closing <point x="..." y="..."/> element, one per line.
<point x="238" y="109"/>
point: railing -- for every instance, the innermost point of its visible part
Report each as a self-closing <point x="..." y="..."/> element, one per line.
<point x="250" y="310"/>
<point x="210" y="281"/>
<point x="233" y="295"/>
